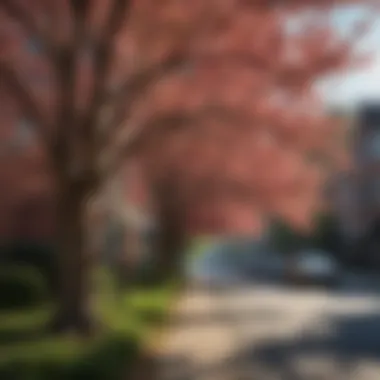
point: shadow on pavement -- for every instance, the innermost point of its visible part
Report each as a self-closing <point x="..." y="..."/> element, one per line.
<point x="333" y="355"/>
<point x="351" y="341"/>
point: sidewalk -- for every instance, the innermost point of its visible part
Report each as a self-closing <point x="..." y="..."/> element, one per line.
<point x="198" y="340"/>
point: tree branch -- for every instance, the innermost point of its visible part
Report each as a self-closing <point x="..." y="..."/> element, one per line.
<point x="21" y="15"/>
<point x="121" y="100"/>
<point x="66" y="135"/>
<point x="114" y="154"/>
<point x="103" y="60"/>
<point x="139" y="133"/>
<point x="25" y="18"/>
<point x="24" y="96"/>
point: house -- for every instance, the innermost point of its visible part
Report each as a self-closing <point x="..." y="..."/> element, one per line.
<point x="356" y="194"/>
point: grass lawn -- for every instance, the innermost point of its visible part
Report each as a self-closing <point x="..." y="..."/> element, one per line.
<point x="27" y="352"/>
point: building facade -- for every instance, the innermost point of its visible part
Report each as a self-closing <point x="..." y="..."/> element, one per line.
<point x="357" y="191"/>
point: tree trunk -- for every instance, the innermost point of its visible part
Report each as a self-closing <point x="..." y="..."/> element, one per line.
<point x="74" y="313"/>
<point x="128" y="263"/>
<point x="170" y="247"/>
<point x="171" y="239"/>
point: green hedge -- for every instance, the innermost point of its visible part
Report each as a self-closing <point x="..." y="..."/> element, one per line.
<point x="29" y="352"/>
<point x="39" y="256"/>
<point x="108" y="359"/>
<point x="286" y="239"/>
<point x="324" y="235"/>
<point x="21" y="286"/>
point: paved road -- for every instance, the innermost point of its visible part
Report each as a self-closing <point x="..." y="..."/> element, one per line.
<point x="268" y="332"/>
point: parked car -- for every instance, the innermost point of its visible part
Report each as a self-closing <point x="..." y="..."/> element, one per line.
<point x="217" y="268"/>
<point x="313" y="267"/>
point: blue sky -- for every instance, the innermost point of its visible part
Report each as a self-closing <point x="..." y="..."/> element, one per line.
<point x="364" y="84"/>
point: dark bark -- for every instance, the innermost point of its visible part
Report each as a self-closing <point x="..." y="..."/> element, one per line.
<point x="128" y="263"/>
<point x="171" y="239"/>
<point x="74" y="312"/>
<point x="170" y="250"/>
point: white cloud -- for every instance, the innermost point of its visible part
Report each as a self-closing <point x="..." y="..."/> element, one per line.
<point x="364" y="84"/>
<point x="354" y="88"/>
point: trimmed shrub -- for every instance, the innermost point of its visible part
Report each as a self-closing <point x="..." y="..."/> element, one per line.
<point x="29" y="352"/>
<point x="39" y="256"/>
<point x="112" y="359"/>
<point x="21" y="286"/>
<point x="326" y="233"/>
<point x="286" y="239"/>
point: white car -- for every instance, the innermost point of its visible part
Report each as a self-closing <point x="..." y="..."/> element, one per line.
<point x="313" y="267"/>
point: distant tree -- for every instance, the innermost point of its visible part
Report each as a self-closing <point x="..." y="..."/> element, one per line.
<point x="247" y="138"/>
<point x="325" y="234"/>
<point x="288" y="240"/>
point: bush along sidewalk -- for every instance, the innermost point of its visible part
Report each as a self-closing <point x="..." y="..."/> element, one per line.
<point x="28" y="352"/>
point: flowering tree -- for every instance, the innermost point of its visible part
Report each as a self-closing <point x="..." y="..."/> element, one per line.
<point x="100" y="80"/>
<point x="251" y="139"/>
